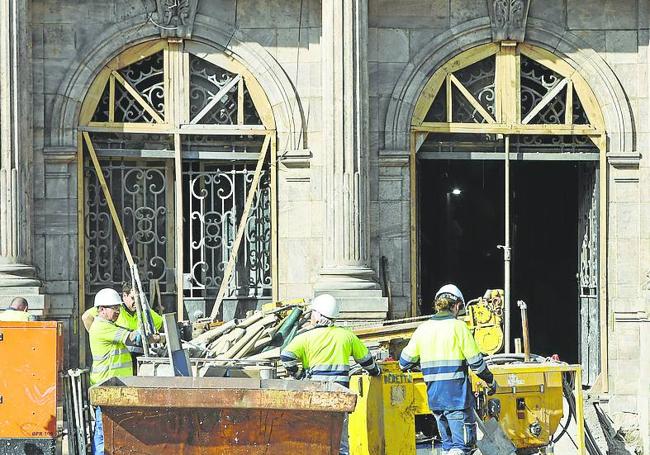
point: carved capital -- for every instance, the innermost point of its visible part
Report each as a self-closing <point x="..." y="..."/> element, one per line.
<point x="508" y="18"/>
<point x="175" y="18"/>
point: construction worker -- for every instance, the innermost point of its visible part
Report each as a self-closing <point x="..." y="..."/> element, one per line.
<point x="108" y="344"/>
<point x="444" y="348"/>
<point x="324" y="352"/>
<point x="128" y="318"/>
<point x="17" y="311"/>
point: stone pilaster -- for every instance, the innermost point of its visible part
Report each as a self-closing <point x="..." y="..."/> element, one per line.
<point x="346" y="272"/>
<point x="17" y="276"/>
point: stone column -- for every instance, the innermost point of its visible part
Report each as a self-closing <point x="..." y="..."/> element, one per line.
<point x="17" y="276"/>
<point x="346" y="271"/>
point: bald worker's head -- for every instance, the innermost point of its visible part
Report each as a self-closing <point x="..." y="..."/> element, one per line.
<point x="19" y="304"/>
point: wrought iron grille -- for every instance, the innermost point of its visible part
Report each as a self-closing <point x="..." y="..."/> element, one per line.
<point x="146" y="76"/>
<point x="215" y="198"/>
<point x="206" y="81"/>
<point x="478" y="79"/>
<point x="139" y="191"/>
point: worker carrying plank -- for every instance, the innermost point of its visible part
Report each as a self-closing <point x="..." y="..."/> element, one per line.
<point x="444" y="347"/>
<point x="17" y="311"/>
<point x="324" y="352"/>
<point x="109" y="346"/>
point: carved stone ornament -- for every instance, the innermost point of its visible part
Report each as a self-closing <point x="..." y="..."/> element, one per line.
<point x="176" y="17"/>
<point x="508" y="19"/>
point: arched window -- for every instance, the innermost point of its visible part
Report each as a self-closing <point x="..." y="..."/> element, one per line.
<point x="176" y="140"/>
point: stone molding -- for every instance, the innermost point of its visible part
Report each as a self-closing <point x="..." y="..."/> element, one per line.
<point x="287" y="109"/>
<point x="591" y="65"/>
<point x="176" y="17"/>
<point x="508" y="19"/>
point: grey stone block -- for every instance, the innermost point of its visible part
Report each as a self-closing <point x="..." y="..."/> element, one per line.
<point x="601" y="14"/>
<point x="549" y="10"/>
<point x="392" y="45"/>
<point x="465" y="10"/>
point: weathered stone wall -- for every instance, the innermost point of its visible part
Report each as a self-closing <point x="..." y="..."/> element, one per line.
<point x="614" y="34"/>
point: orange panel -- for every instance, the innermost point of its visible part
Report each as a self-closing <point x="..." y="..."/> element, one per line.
<point x="31" y="354"/>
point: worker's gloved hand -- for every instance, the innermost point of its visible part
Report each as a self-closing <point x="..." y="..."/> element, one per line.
<point x="492" y="387"/>
<point x="137" y="337"/>
<point x="155" y="338"/>
<point x="376" y="371"/>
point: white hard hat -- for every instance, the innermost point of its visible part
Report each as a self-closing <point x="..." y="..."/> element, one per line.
<point x="326" y="305"/>
<point x="107" y="297"/>
<point x="452" y="290"/>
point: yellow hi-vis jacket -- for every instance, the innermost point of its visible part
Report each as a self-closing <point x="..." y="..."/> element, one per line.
<point x="14" y="315"/>
<point x="129" y="320"/>
<point x="444" y="348"/>
<point x="111" y="358"/>
<point x="325" y="352"/>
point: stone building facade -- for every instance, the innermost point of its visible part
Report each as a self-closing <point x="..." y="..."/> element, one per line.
<point x="336" y="84"/>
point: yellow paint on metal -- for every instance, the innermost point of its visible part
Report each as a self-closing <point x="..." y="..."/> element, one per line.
<point x="383" y="422"/>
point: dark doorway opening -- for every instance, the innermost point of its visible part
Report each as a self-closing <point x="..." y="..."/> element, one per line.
<point x="461" y="212"/>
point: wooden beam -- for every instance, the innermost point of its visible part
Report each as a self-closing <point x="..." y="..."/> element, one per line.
<point x="111" y="99"/>
<point x="109" y="199"/>
<point x="241" y="229"/>
<point x="449" y="99"/>
<point x="160" y="128"/>
<point x="275" y="257"/>
<point x="81" y="252"/>
<point x="501" y="128"/>
<point x="515" y="156"/>
<point x="568" y="110"/>
<point x="240" y="101"/>
<point x="178" y="221"/>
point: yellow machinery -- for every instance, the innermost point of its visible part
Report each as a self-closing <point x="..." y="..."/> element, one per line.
<point x="528" y="403"/>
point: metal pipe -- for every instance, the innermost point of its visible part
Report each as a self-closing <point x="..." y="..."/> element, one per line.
<point x="506" y="245"/>
<point x="524" y="328"/>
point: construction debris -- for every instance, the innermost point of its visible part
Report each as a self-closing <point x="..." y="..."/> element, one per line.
<point x="259" y="336"/>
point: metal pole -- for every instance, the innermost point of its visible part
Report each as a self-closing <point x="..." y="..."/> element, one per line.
<point x="506" y="246"/>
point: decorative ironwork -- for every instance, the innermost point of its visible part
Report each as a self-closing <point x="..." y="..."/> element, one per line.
<point x="139" y="191"/>
<point x="588" y="237"/>
<point x="537" y="81"/>
<point x="216" y="196"/>
<point x="206" y="81"/>
<point x="147" y="77"/>
<point x="478" y="79"/>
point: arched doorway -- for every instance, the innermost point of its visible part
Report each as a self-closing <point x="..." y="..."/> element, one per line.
<point x="513" y="119"/>
<point x="176" y="167"/>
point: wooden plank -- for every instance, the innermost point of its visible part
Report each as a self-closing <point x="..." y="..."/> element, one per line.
<point x="109" y="199"/>
<point x="111" y="99"/>
<point x="414" y="227"/>
<point x="547" y="98"/>
<point x="93" y="97"/>
<point x="138" y="98"/>
<point x="215" y="99"/>
<point x="516" y="156"/>
<point x="81" y="251"/>
<point x="449" y="99"/>
<point x="426" y="98"/>
<point x="470" y="56"/>
<point x="506" y="83"/>
<point x="240" y="230"/>
<point x="473" y="101"/>
<point x="568" y="111"/>
<point x="275" y="265"/>
<point x="501" y="128"/>
<point x="136" y="53"/>
<point x="178" y="190"/>
<point x="240" y="102"/>
<point x="161" y="128"/>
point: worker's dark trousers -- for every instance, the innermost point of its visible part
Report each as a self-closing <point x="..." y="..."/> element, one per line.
<point x="98" y="436"/>
<point x="457" y="430"/>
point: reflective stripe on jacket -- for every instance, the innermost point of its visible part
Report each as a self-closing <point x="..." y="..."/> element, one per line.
<point x="111" y="358"/>
<point x="444" y="348"/>
<point x="324" y="352"/>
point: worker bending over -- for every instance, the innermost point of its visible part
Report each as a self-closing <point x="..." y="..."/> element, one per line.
<point x="444" y="348"/>
<point x="324" y="352"/>
<point x="17" y="311"/>
<point x="108" y="344"/>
